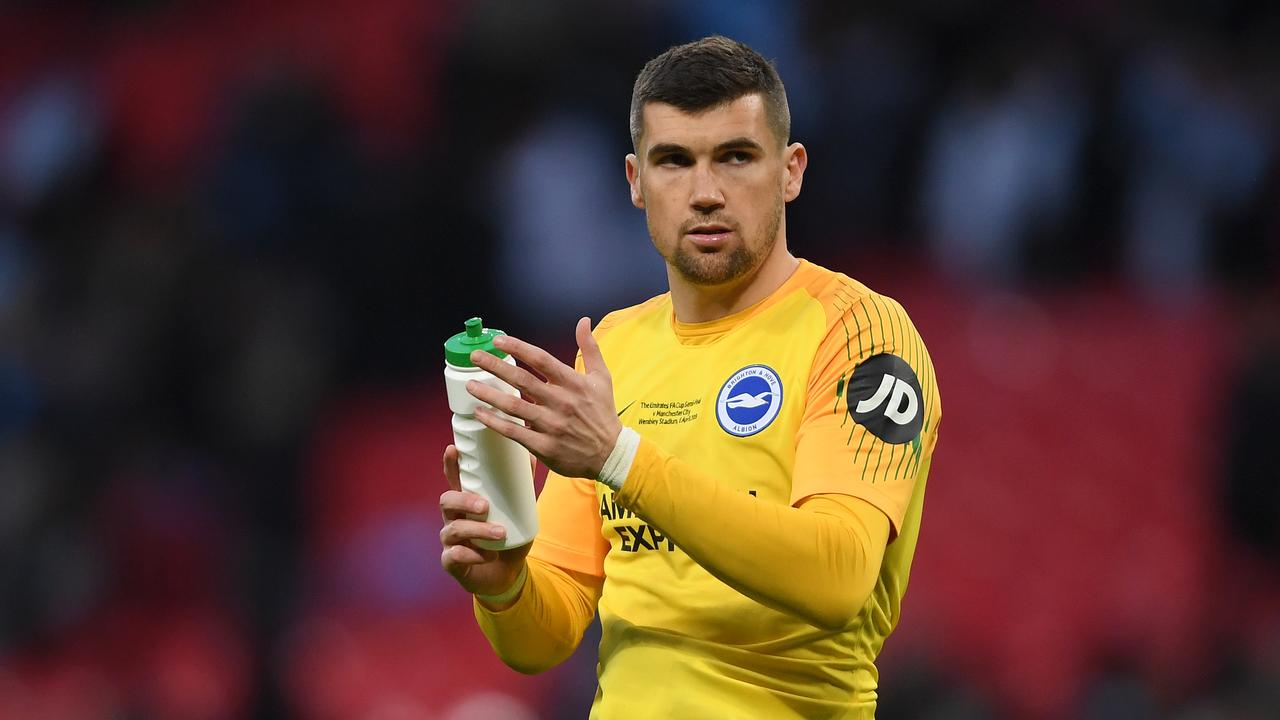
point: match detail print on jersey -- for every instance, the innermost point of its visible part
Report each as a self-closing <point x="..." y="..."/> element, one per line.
<point x="749" y="400"/>
<point x="884" y="397"/>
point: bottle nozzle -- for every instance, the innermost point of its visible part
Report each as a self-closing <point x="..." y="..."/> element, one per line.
<point x="458" y="349"/>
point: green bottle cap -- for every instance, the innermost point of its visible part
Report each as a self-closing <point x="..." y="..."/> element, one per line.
<point x="458" y="349"/>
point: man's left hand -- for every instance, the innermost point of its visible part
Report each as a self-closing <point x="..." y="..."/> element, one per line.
<point x="571" y="423"/>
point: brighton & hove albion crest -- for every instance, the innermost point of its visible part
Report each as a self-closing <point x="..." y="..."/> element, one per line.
<point x="749" y="400"/>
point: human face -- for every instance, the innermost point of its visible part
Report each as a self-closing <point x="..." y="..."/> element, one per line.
<point x="713" y="185"/>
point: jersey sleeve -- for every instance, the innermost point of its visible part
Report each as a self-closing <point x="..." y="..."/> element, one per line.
<point x="774" y="554"/>
<point x="871" y="411"/>
<point x="545" y="624"/>
<point x="569" y="522"/>
<point x="569" y="526"/>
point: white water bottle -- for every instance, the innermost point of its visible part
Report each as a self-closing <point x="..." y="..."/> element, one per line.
<point x="490" y="464"/>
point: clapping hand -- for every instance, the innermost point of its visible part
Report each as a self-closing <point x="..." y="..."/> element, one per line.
<point x="571" y="423"/>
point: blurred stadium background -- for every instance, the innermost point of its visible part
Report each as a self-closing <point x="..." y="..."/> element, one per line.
<point x="234" y="234"/>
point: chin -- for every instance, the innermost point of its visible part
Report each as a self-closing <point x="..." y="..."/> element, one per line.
<point x="714" y="268"/>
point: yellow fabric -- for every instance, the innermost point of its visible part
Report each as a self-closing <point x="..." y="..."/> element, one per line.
<point x="831" y="542"/>
<point x="678" y="640"/>
<point x="569" y="527"/>
<point x="546" y="623"/>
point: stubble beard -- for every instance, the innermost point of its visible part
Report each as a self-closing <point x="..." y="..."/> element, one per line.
<point x="718" y="268"/>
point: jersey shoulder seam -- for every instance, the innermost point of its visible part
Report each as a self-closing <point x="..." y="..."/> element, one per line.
<point x="618" y="317"/>
<point x="836" y="292"/>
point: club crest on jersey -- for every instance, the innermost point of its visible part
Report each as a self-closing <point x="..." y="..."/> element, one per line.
<point x="749" y="400"/>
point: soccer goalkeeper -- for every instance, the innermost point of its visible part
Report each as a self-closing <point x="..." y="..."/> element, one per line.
<point x="737" y="466"/>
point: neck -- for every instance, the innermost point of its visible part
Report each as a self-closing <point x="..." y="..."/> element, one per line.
<point x="704" y="303"/>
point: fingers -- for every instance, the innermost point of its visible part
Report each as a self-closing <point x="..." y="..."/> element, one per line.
<point x="531" y="440"/>
<point x="526" y="382"/>
<point x="463" y="532"/>
<point x="506" y="402"/>
<point x="451" y="472"/>
<point x="458" y="538"/>
<point x="592" y="359"/>
<point x="457" y="560"/>
<point x="535" y="357"/>
<point x="456" y="504"/>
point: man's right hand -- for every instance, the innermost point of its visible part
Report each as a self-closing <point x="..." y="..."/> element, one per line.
<point x="478" y="571"/>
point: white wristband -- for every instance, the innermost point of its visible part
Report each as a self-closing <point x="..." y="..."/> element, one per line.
<point x="618" y="464"/>
<point x="511" y="592"/>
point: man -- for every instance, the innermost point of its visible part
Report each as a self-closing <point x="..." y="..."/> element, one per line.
<point x="737" y="467"/>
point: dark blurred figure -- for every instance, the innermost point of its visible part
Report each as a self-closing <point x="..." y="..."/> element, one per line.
<point x="919" y="690"/>
<point x="1005" y="151"/>
<point x="1195" y="115"/>
<point x="1117" y="692"/>
<point x="1251" y="418"/>
<point x="877" y="81"/>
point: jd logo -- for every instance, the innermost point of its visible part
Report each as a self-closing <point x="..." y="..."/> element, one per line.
<point x="884" y="397"/>
<point x="902" y="407"/>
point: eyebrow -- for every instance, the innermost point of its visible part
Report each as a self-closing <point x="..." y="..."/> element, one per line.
<point x="737" y="143"/>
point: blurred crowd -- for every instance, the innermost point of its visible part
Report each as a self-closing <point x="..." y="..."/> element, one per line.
<point x="234" y="234"/>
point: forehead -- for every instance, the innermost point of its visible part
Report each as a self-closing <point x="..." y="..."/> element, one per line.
<point x="744" y="117"/>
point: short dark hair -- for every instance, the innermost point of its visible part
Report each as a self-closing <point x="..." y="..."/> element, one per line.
<point x="708" y="73"/>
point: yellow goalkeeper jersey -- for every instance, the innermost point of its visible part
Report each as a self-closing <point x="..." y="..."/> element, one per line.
<point x="823" y="387"/>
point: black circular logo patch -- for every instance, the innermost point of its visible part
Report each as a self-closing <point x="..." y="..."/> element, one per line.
<point x="884" y="397"/>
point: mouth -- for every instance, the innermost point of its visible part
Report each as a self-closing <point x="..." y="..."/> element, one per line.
<point x="709" y="236"/>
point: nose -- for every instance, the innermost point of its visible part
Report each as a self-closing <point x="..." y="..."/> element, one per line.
<point x="705" y="195"/>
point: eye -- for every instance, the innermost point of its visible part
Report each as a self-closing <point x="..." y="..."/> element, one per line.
<point x="674" y="160"/>
<point x="737" y="157"/>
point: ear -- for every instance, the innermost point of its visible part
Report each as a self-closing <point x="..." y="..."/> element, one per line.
<point x="797" y="159"/>
<point x="633" y="179"/>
